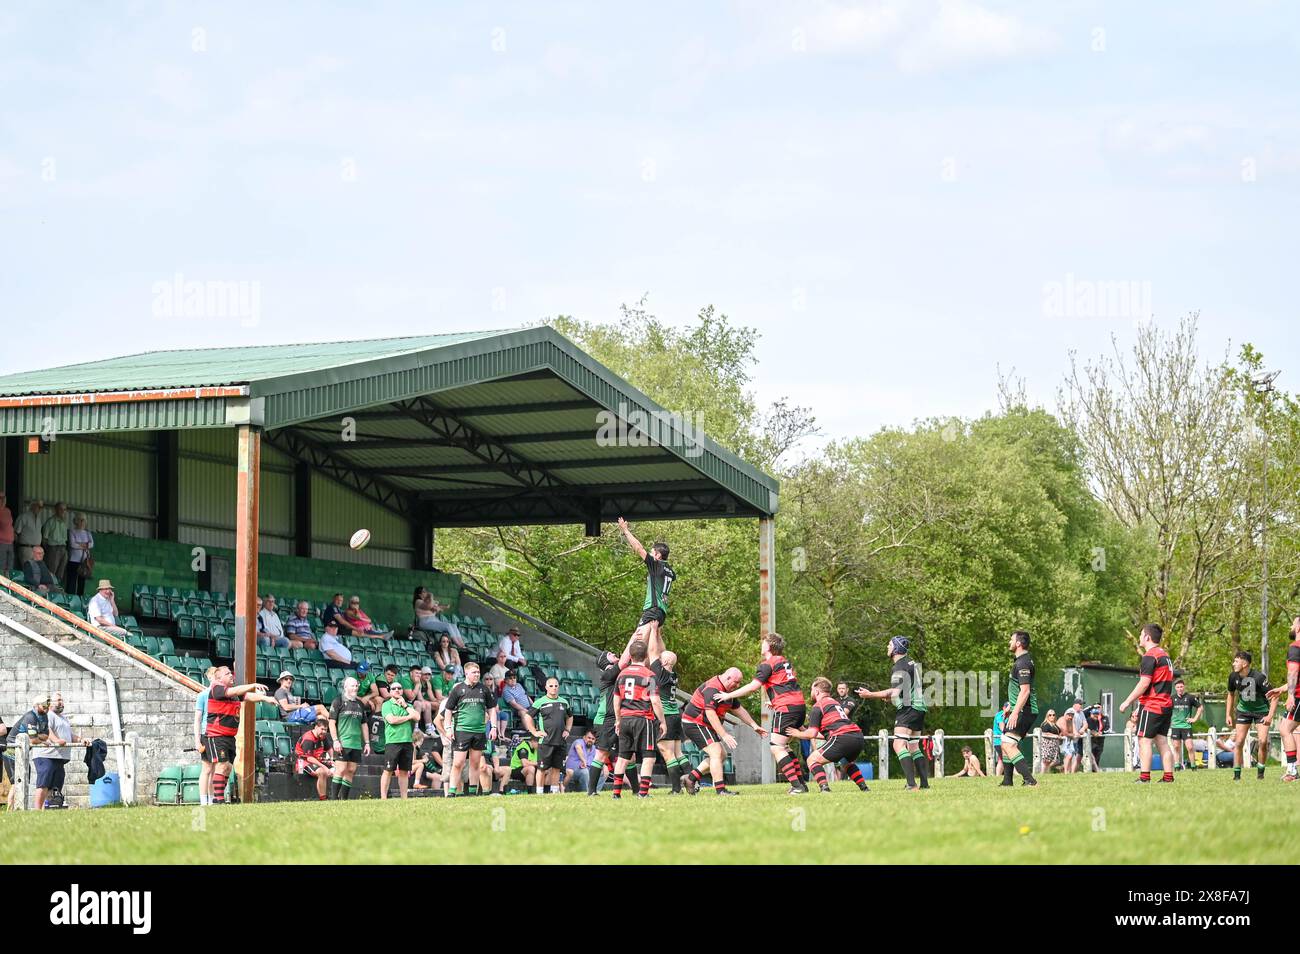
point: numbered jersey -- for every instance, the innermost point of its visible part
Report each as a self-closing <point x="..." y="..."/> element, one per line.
<point x="782" y="686"/>
<point x="636" y="686"/>
<point x="830" y="719"/>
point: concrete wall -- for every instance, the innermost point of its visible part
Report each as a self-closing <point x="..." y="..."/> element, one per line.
<point x="161" y="711"/>
<point x="750" y="751"/>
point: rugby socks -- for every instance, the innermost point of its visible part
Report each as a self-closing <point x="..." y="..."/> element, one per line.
<point x="855" y="776"/>
<point x="819" y="776"/>
<point x="594" y="772"/>
<point x="790" y="769"/>
<point x="633" y="775"/>
<point x="1020" y="764"/>
<point x="909" y="767"/>
<point x="674" y="775"/>
<point x="1168" y="776"/>
<point x="1236" y="773"/>
<point x="218" y="789"/>
<point x="696" y="775"/>
<point x="1290" y="763"/>
<point x="1008" y="770"/>
<point x="644" y="790"/>
<point x="1259" y="771"/>
<point x="473" y="790"/>
<point x="618" y="785"/>
<point x="922" y="767"/>
<point x="1144" y="776"/>
<point x="345" y="789"/>
<point x="719" y="787"/>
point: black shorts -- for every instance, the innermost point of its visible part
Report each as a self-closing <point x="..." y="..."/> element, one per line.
<point x="1153" y="724"/>
<point x="606" y="740"/>
<point x="551" y="756"/>
<point x="1250" y="718"/>
<point x="1023" y="725"/>
<point x="517" y="775"/>
<point x="1293" y="712"/>
<point x="50" y="773"/>
<point x="913" y="719"/>
<point x="792" y="718"/>
<point x="673" y="722"/>
<point x="350" y="755"/>
<point x="637" y="737"/>
<point x="699" y="734"/>
<point x="399" y="756"/>
<point x="465" y="741"/>
<point x="844" y="747"/>
<point x="653" y="615"/>
<point x="1179" y="735"/>
<point x="219" y="748"/>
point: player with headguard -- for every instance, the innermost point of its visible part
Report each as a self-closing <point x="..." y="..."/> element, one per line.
<point x="702" y="723"/>
<point x="638" y="719"/>
<point x="844" y="740"/>
<point x="906" y="693"/>
<point x="1024" y="711"/>
<point x="776" y="675"/>
<point x="1154" y="694"/>
<point x="659" y="580"/>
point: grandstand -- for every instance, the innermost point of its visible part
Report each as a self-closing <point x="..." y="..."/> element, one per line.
<point x="182" y="459"/>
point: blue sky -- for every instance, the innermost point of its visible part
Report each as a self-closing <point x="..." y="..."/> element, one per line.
<point x="886" y="190"/>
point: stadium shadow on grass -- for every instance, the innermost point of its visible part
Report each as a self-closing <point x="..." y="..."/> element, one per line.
<point x="1104" y="819"/>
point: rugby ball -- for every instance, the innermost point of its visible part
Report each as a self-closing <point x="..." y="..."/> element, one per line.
<point x="359" y="539"/>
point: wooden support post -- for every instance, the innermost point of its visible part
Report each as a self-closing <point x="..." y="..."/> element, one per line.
<point x="767" y="619"/>
<point x="246" y="529"/>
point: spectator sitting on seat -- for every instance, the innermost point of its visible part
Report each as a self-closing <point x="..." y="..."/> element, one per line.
<point x="270" y="631"/>
<point x="38" y="575"/>
<point x="514" y="696"/>
<point x="292" y="709"/>
<point x="442" y="683"/>
<point x="428" y="766"/>
<point x="426" y="619"/>
<point x="523" y="761"/>
<point x="337" y="656"/>
<point x="355" y="621"/>
<point x="27" y="530"/>
<point x="102" y="610"/>
<point x="333" y="610"/>
<point x="581" y="758"/>
<point x="298" y="626"/>
<point x="313" y="755"/>
<point x="427" y="689"/>
<point x="375" y="688"/>
<point x="447" y="657"/>
<point x="510" y="645"/>
<point x="413" y="690"/>
<point x="499" y="670"/>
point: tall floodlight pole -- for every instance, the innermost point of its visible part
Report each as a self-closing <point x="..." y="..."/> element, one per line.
<point x="1264" y="385"/>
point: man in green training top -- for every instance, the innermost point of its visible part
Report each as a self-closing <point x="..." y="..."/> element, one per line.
<point x="1249" y="703"/>
<point x="351" y="735"/>
<point x="1186" y="712"/>
<point x="659" y="580"/>
<point x="469" y="720"/>
<point x="550" y="719"/>
<point x="1024" y="710"/>
<point x="399" y="749"/>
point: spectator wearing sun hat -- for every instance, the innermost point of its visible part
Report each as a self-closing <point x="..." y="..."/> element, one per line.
<point x="101" y="611"/>
<point x="292" y="709"/>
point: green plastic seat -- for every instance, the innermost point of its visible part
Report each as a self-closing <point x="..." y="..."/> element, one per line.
<point x="167" y="790"/>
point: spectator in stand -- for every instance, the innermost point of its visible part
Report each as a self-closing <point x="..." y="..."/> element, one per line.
<point x="376" y="688"/>
<point x="292" y="709"/>
<point x="337" y="656"/>
<point x="37" y="573"/>
<point x="354" y="620"/>
<point x="333" y="610"/>
<point x="54" y="537"/>
<point x="442" y="683"/>
<point x="80" y="542"/>
<point x="102" y="610"/>
<point x="582" y="755"/>
<point x="7" y="563"/>
<point x="513" y="695"/>
<point x="498" y="671"/>
<point x="270" y="631"/>
<point x="1049" y="745"/>
<point x="51" y="759"/>
<point x="970" y="764"/>
<point x="413" y="690"/>
<point x="27" y="530"/>
<point x="298" y="626"/>
<point x="523" y="761"/>
<point x="510" y="645"/>
<point x="447" y="657"/>
<point x="313" y="752"/>
<point x="426" y="618"/>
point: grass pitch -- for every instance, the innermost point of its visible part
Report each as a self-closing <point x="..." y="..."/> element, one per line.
<point x="1080" y="819"/>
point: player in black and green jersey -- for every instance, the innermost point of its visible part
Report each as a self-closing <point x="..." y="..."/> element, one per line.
<point x="550" y="719"/>
<point x="469" y="720"/>
<point x="670" y="746"/>
<point x="1024" y="710"/>
<point x="659" y="580"/>
<point x="906" y="692"/>
<point x="1251" y="701"/>
<point x="1186" y="711"/>
<point x="351" y="734"/>
<point x="602" y="722"/>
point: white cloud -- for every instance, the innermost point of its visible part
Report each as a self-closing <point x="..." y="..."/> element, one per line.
<point x="962" y="32"/>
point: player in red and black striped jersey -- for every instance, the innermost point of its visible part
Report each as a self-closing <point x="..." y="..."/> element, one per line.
<point x="776" y="675"/>
<point x="1154" y="694"/>
<point x="638" y="719"/>
<point x="1289" y="728"/>
<point x="702" y="723"/>
<point x="312" y="753"/>
<point x="844" y="740"/>
<point x="224" y="702"/>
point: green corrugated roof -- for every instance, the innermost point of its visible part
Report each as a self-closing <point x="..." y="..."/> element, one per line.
<point x="209" y="367"/>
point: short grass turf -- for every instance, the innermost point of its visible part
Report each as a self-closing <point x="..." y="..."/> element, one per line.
<point x="1079" y="819"/>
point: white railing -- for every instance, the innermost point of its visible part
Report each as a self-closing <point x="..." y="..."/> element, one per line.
<point x="23" y="782"/>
